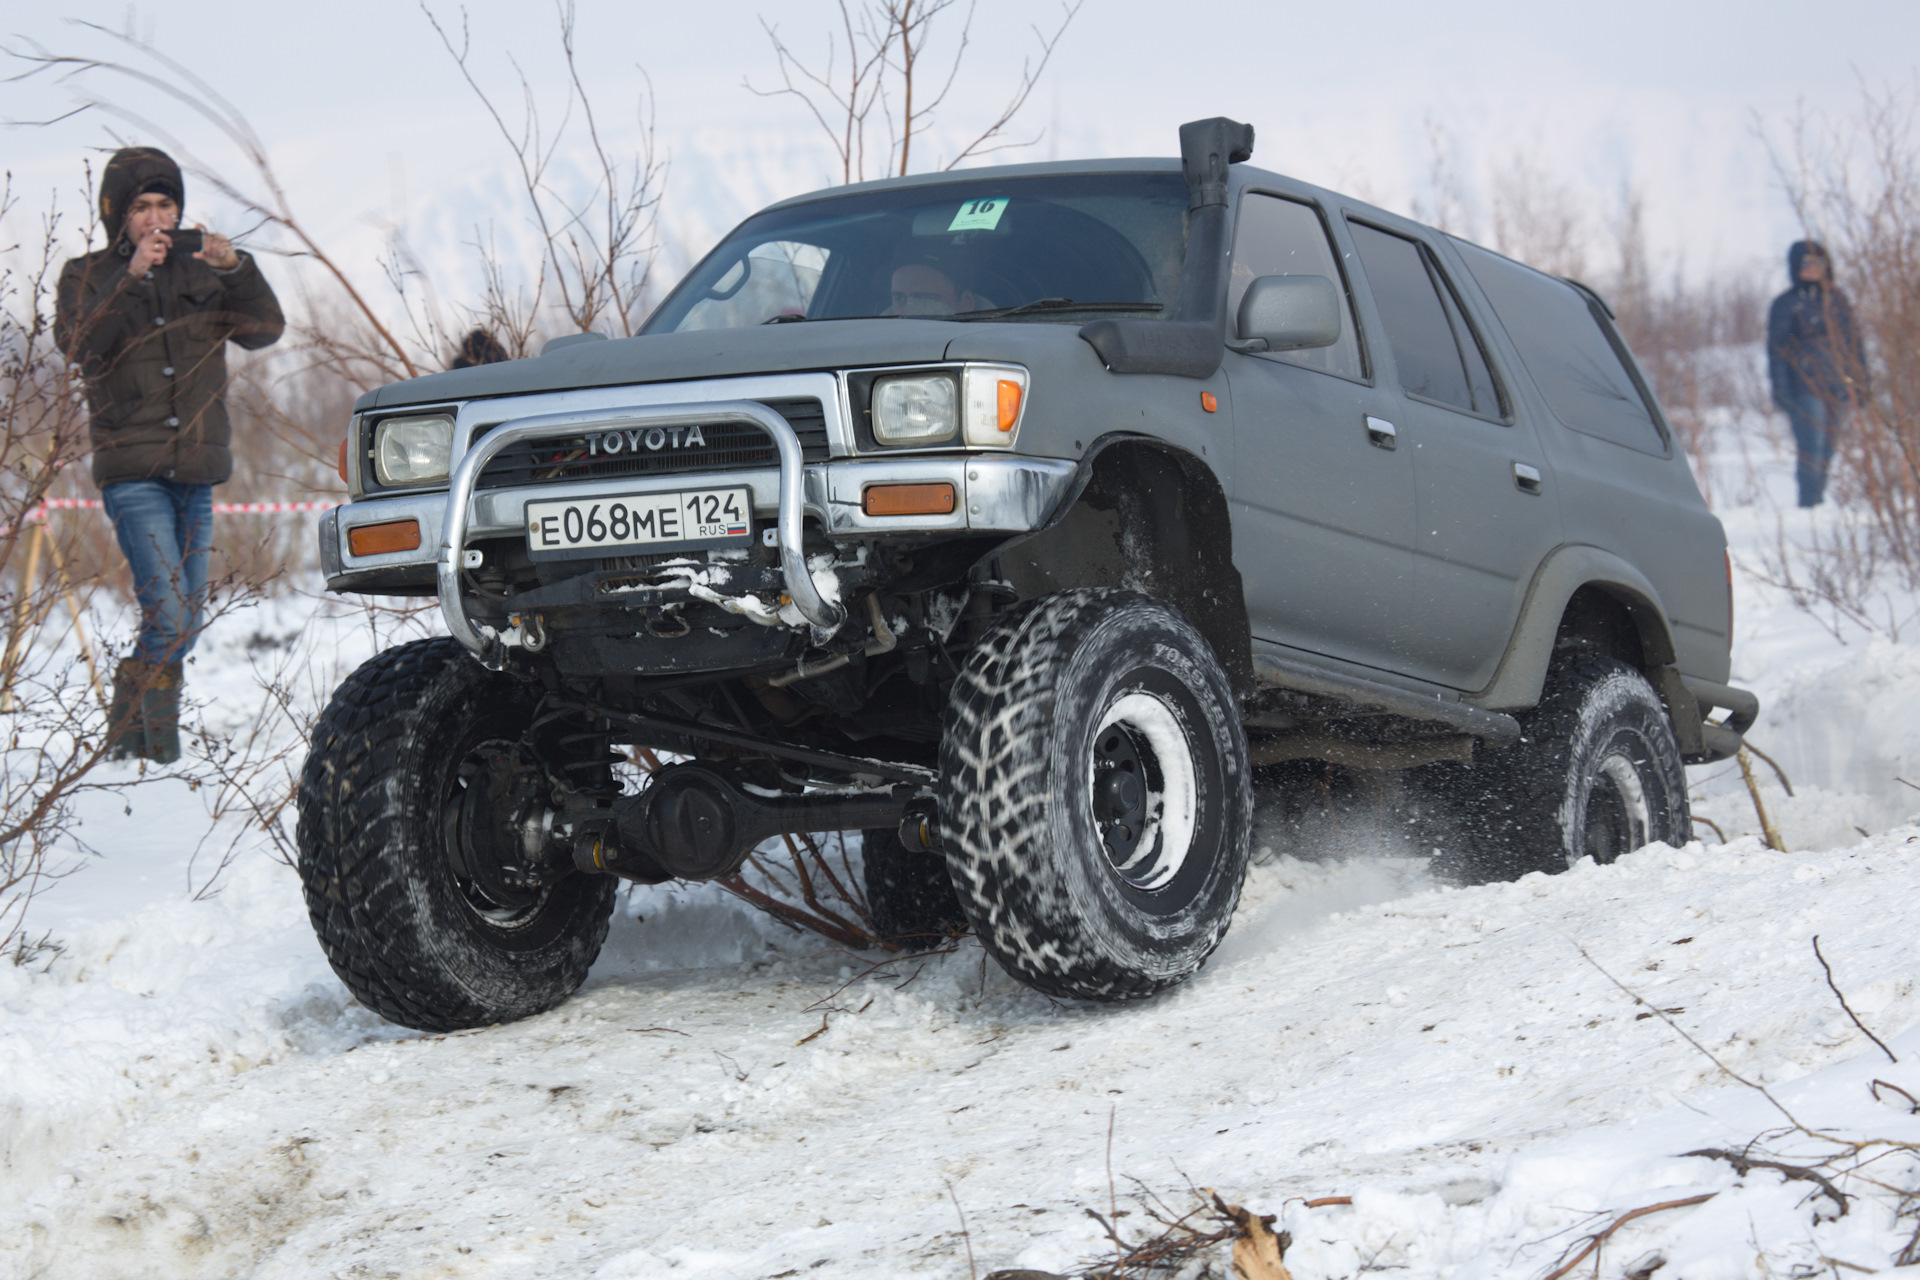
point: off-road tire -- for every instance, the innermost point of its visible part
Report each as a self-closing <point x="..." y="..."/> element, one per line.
<point x="1017" y="795"/>
<point x="910" y="896"/>
<point x="380" y="888"/>
<point x="1565" y="791"/>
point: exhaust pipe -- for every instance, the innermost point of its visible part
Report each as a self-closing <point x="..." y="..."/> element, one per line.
<point x="695" y="823"/>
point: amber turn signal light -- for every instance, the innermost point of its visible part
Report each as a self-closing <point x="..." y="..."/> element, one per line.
<point x="381" y="539"/>
<point x="1009" y="404"/>
<point x="1208" y="402"/>
<point x="912" y="499"/>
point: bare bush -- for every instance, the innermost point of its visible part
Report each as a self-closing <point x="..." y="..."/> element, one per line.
<point x="1693" y="339"/>
<point x="1692" y="336"/>
<point x="880" y="60"/>
<point x="598" y="244"/>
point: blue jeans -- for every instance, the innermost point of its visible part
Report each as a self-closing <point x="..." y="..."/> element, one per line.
<point x="1816" y="422"/>
<point x="165" y="530"/>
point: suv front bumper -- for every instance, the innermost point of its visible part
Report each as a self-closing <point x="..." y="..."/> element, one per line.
<point x="994" y="494"/>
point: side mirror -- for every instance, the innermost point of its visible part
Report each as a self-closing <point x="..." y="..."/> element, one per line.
<point x="1288" y="313"/>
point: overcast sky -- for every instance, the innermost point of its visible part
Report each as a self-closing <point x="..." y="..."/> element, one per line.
<point x="370" y="125"/>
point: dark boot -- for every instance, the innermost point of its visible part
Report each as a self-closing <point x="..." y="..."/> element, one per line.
<point x="160" y="714"/>
<point x="125" y="730"/>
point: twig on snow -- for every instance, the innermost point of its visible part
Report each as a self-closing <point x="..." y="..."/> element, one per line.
<point x="1709" y="822"/>
<point x="1600" y="1237"/>
<point x="1113" y="1199"/>
<point x="1913" y="1103"/>
<point x="966" y="1236"/>
<point x="1742" y="1163"/>
<point x="1911" y="1254"/>
<point x="1834" y="987"/>
<point x="1678" y="1030"/>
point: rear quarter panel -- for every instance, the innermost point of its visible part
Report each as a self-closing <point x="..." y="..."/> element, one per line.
<point x="1644" y="508"/>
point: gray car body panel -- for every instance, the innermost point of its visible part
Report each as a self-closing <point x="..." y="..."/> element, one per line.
<point x="1423" y="568"/>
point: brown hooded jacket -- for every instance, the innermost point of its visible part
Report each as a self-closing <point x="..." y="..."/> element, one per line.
<point x="154" y="349"/>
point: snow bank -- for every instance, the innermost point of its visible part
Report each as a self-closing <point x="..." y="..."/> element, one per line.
<point x="1448" y="1058"/>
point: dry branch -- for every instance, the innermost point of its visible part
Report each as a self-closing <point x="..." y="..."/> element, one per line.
<point x="1598" y="1238"/>
<point x="877" y="60"/>
<point x="1767" y="829"/>
<point x="1743" y="1164"/>
<point x="1841" y="997"/>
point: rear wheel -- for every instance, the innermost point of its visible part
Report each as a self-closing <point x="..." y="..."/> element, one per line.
<point x="423" y="848"/>
<point x="1596" y="774"/>
<point x="1094" y="798"/>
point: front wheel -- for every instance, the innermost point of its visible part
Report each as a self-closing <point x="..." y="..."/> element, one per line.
<point x="415" y="802"/>
<point x="1095" y="802"/>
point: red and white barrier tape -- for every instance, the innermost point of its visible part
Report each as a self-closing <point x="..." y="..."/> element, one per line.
<point x="219" y="508"/>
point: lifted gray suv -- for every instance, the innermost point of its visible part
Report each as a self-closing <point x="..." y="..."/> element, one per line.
<point x="1012" y="517"/>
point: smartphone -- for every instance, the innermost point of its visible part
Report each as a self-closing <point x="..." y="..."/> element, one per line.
<point x="185" y="244"/>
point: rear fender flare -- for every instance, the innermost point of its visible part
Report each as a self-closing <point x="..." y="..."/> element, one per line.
<point x="1521" y="676"/>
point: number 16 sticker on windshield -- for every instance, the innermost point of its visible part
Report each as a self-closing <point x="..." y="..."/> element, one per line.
<point x="688" y="520"/>
<point x="979" y="215"/>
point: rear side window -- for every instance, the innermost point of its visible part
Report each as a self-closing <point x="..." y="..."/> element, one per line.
<point x="1437" y="353"/>
<point x="1279" y="237"/>
<point x="1569" y="351"/>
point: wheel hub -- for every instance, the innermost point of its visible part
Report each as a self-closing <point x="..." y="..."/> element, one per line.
<point x="1119" y="793"/>
<point x="1619" y="816"/>
<point x="495" y="822"/>
<point x="1143" y="790"/>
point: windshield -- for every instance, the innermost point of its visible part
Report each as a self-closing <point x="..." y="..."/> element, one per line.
<point x="1040" y="248"/>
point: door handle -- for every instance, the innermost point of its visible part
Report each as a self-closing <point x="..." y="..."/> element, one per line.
<point x="1381" y="433"/>
<point x="1526" y="478"/>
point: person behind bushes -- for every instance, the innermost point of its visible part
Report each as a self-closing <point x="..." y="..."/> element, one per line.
<point x="148" y="329"/>
<point x="1816" y="364"/>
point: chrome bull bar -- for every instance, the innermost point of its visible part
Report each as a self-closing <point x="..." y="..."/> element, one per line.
<point x="487" y="644"/>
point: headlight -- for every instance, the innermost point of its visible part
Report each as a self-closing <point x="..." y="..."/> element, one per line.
<point x="412" y="450"/>
<point x="915" y="410"/>
<point x="996" y="397"/>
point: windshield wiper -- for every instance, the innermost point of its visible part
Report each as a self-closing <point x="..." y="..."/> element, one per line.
<point x="1053" y="304"/>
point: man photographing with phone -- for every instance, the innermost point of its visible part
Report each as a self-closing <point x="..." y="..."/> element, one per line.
<point x="147" y="320"/>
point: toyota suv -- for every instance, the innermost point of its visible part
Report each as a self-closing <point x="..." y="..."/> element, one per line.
<point x="1012" y="517"/>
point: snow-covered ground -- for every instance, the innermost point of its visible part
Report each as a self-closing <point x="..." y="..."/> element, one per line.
<point x="185" y="1089"/>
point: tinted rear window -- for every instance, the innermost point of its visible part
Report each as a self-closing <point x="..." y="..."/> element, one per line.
<point x="1572" y="358"/>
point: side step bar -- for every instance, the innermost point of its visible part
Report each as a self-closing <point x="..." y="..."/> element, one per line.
<point x="1492" y="727"/>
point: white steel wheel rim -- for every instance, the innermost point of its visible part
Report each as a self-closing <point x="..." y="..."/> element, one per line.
<point x="1166" y="840"/>
<point x="1618" y="785"/>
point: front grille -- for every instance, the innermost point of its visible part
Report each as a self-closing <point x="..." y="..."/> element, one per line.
<point x="727" y="446"/>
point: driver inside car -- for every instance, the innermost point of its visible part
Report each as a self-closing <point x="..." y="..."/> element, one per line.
<point x="924" y="289"/>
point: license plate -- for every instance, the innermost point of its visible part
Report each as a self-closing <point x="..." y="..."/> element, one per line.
<point x="691" y="518"/>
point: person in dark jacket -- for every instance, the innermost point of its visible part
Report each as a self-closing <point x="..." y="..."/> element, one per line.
<point x="1816" y="364"/>
<point x="148" y="328"/>
<point x="477" y="348"/>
